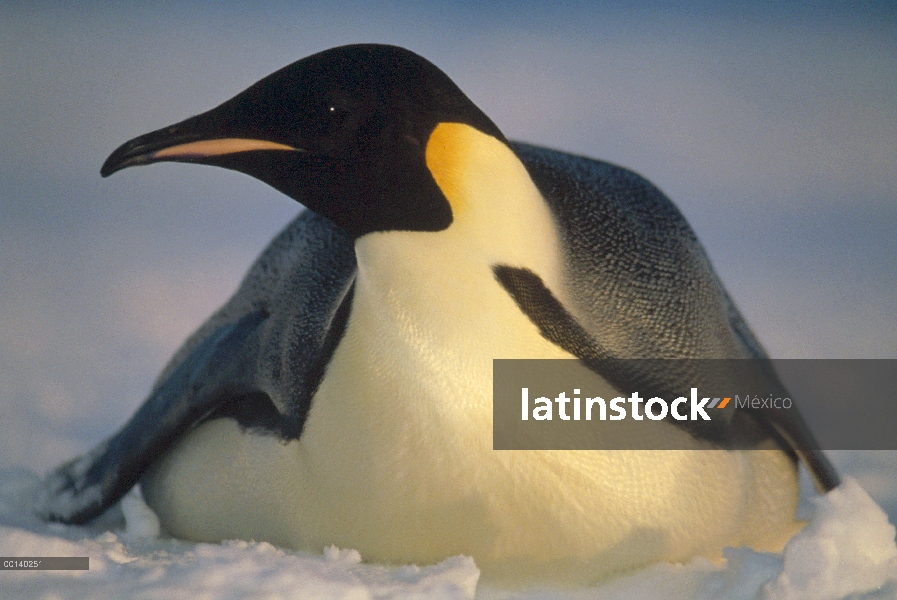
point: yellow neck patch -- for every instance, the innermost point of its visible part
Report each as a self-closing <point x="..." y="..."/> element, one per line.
<point x="448" y="150"/>
<point x="497" y="211"/>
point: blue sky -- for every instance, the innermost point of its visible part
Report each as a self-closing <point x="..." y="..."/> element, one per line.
<point x="774" y="130"/>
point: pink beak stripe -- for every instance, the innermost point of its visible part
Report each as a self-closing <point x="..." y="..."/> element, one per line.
<point x="219" y="147"/>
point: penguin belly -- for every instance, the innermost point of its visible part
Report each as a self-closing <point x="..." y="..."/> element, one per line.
<point x="396" y="460"/>
<point x="422" y="484"/>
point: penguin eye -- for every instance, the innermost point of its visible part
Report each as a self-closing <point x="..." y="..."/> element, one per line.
<point x="335" y="117"/>
<point x="325" y="121"/>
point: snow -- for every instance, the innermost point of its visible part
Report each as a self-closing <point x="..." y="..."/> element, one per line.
<point x="848" y="547"/>
<point x="140" y="520"/>
<point x="847" y="550"/>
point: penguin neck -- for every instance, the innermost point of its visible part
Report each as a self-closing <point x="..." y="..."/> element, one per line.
<point x="499" y="217"/>
<point x="431" y="298"/>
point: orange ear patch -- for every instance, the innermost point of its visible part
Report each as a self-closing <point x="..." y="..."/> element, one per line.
<point x="447" y="153"/>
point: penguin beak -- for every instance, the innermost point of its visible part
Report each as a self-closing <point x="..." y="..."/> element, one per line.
<point x="188" y="141"/>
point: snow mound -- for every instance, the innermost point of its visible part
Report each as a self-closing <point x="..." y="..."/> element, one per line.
<point x="140" y="520"/>
<point x="846" y="551"/>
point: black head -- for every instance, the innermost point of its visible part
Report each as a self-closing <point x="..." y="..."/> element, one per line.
<point x="344" y="132"/>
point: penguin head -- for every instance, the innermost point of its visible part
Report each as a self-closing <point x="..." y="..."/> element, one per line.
<point x="344" y="132"/>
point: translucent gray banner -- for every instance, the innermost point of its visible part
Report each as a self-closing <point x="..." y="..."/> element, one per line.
<point x="44" y="563"/>
<point x="683" y="404"/>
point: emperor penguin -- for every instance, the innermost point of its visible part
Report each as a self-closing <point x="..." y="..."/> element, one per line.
<point x="344" y="394"/>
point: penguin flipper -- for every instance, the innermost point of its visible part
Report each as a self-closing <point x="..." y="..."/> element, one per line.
<point x="641" y="286"/>
<point x="83" y="488"/>
<point x="257" y="360"/>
